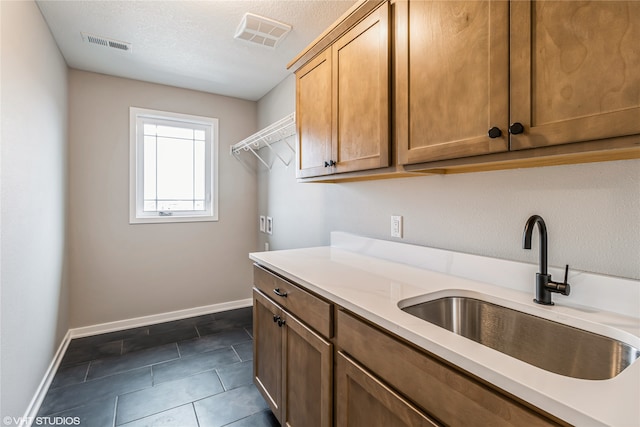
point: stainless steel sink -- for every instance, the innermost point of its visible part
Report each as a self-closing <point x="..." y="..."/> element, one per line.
<point x="549" y="345"/>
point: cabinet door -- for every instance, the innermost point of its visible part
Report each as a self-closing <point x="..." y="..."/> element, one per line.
<point x="363" y="401"/>
<point x="268" y="352"/>
<point x="452" y="79"/>
<point x="361" y="95"/>
<point x="575" y="71"/>
<point x="313" y="116"/>
<point x="308" y="377"/>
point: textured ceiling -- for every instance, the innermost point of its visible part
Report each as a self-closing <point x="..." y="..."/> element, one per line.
<point x="187" y="44"/>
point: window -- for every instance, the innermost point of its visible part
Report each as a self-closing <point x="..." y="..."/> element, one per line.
<point x="173" y="162"/>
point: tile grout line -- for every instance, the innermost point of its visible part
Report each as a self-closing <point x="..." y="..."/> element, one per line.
<point x="173" y="407"/>
<point x="193" y="406"/>
<point x="86" y="374"/>
<point x="234" y="350"/>
<point x="240" y="419"/>
<point x="115" y="411"/>
<point x="248" y="333"/>
<point x="224" y="387"/>
<point x="151" y="372"/>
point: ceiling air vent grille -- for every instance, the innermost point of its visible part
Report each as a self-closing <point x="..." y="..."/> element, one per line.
<point x="106" y="42"/>
<point x="260" y="30"/>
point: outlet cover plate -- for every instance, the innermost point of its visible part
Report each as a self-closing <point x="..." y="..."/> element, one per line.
<point x="396" y="226"/>
<point x="269" y="225"/>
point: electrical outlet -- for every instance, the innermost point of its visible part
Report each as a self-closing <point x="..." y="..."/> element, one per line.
<point x="396" y="226"/>
<point x="263" y="223"/>
<point x="269" y="225"/>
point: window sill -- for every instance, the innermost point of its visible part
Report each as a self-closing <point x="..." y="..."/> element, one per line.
<point x="171" y="219"/>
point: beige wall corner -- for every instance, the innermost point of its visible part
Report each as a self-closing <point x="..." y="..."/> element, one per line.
<point x="34" y="291"/>
<point x="122" y="271"/>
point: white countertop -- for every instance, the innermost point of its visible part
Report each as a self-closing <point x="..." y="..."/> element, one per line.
<point x="356" y="273"/>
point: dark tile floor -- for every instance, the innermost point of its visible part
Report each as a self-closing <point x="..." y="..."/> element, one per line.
<point x="195" y="372"/>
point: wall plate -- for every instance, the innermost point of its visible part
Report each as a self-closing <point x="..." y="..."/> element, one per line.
<point x="269" y="225"/>
<point x="396" y="226"/>
<point x="263" y="223"/>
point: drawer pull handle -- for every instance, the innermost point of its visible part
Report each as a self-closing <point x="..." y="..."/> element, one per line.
<point x="278" y="292"/>
<point x="275" y="318"/>
<point x="281" y="322"/>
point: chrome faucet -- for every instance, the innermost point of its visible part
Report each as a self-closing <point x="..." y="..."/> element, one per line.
<point x="544" y="285"/>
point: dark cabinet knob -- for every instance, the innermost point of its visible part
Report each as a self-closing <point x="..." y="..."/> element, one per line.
<point x="329" y="164"/>
<point x="516" y="128"/>
<point x="494" y="132"/>
<point x="275" y="318"/>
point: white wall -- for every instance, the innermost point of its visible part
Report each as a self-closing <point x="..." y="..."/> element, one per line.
<point x="33" y="197"/>
<point x="592" y="211"/>
<point x="299" y="212"/>
<point x="120" y="271"/>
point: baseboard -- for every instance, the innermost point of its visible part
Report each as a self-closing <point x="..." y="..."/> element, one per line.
<point x="43" y="388"/>
<point x="34" y="406"/>
<point x="157" y="318"/>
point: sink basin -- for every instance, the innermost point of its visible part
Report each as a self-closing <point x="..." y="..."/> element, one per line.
<point x="549" y="345"/>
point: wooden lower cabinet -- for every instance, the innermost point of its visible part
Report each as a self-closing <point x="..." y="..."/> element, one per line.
<point x="379" y="379"/>
<point x="362" y="400"/>
<point x="308" y="371"/>
<point x="267" y="352"/>
<point x="447" y="394"/>
<point x="293" y="366"/>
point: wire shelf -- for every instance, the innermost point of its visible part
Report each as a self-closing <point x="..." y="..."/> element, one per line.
<point x="278" y="131"/>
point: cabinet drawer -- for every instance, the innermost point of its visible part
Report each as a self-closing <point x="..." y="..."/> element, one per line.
<point x="312" y="310"/>
<point x="444" y="392"/>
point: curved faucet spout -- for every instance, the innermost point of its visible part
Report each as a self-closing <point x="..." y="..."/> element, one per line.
<point x="526" y="239"/>
<point x="544" y="284"/>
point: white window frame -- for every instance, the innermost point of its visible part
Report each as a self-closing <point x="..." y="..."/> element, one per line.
<point x="137" y="215"/>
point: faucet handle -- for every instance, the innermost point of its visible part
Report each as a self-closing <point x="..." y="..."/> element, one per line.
<point x="565" y="289"/>
<point x="562" y="288"/>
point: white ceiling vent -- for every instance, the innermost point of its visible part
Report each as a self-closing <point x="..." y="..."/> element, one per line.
<point x="261" y="30"/>
<point x="106" y="42"/>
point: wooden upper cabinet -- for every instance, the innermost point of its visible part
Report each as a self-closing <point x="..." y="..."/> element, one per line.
<point x="575" y="71"/>
<point x="452" y="77"/>
<point x="361" y="95"/>
<point x="313" y="116"/>
<point x="472" y="85"/>
<point x="342" y="102"/>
